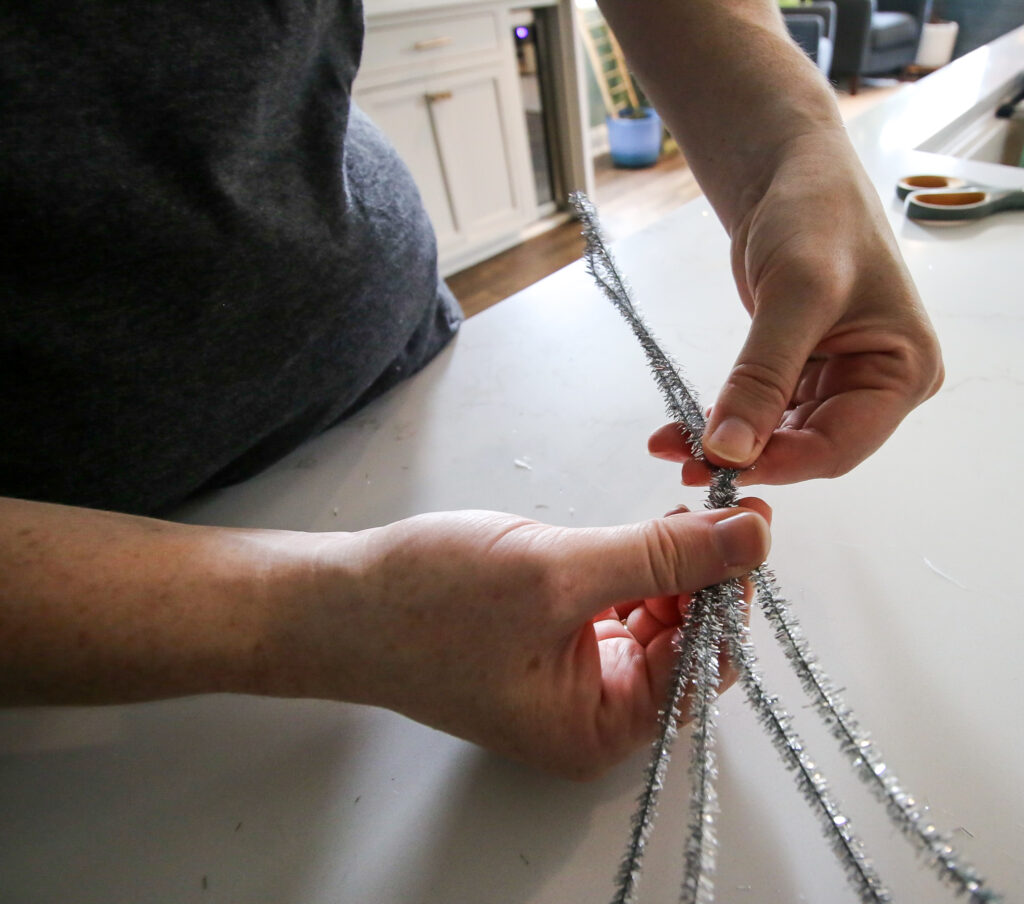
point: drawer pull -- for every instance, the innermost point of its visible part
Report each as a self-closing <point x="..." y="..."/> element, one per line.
<point x="434" y="96"/>
<point x="432" y="43"/>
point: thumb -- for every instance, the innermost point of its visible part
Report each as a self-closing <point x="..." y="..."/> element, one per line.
<point x="760" y="386"/>
<point x="663" y="557"/>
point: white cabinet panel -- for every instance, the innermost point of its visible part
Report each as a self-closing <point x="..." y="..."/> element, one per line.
<point x="453" y="133"/>
<point x="434" y="41"/>
<point x="472" y="141"/>
<point x="444" y="88"/>
<point x="404" y="115"/>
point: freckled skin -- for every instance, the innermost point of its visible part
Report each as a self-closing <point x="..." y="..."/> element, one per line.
<point x="494" y="628"/>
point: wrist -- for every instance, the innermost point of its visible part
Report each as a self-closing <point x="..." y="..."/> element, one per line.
<point x="211" y="624"/>
<point x="307" y="633"/>
<point x="812" y="159"/>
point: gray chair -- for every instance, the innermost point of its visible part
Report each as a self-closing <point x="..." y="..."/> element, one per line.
<point x="813" y="27"/>
<point x="877" y="37"/>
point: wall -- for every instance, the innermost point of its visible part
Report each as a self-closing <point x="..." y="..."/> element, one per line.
<point x="980" y="20"/>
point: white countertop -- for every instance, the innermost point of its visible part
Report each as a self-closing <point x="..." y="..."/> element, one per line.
<point x="905" y="574"/>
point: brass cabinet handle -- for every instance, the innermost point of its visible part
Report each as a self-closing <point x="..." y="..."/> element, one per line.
<point x="432" y="43"/>
<point x="434" y="96"/>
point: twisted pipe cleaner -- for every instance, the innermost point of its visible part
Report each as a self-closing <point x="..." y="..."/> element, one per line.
<point x="906" y="813"/>
<point x="628" y="878"/>
<point x="699" y="857"/>
<point x="715" y="618"/>
<point x="809" y="779"/>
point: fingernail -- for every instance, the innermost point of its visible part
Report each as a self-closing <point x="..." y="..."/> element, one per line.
<point x="733" y="441"/>
<point x="678" y="510"/>
<point x="742" y="539"/>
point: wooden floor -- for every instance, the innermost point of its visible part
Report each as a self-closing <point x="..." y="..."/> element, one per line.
<point x="628" y="200"/>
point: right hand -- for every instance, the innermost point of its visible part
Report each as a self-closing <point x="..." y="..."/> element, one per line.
<point x="840" y="348"/>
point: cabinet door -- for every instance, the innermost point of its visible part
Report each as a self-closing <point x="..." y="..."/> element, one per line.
<point x="404" y="114"/>
<point x="471" y="125"/>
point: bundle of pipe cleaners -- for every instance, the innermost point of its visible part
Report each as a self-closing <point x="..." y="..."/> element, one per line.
<point x="715" y="623"/>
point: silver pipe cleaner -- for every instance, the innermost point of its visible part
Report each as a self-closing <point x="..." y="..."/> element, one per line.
<point x="682" y="406"/>
<point x="809" y="779"/>
<point x="868" y="762"/>
<point x="715" y="617"/>
<point x="699" y="861"/>
<point x="697" y="646"/>
<point x="628" y="877"/>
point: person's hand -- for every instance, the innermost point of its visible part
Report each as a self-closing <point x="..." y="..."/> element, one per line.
<point x="551" y="645"/>
<point x="840" y="349"/>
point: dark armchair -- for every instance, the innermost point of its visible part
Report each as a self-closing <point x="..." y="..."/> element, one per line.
<point x="875" y="37"/>
<point x="813" y="27"/>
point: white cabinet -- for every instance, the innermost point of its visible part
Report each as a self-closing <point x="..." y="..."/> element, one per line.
<point x="405" y="116"/>
<point x="444" y="88"/>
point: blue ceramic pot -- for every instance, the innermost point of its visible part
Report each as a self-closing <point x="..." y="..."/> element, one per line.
<point x="634" y="141"/>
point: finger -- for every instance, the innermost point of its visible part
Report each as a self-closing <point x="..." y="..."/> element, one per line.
<point x="833" y="438"/>
<point x="599" y="566"/>
<point x="611" y="627"/>
<point x="671" y="443"/>
<point x="760" y="386"/>
<point x="757" y="505"/>
<point x="861" y="399"/>
<point x="696" y="473"/>
<point x="797" y="416"/>
<point x="668" y="609"/>
<point x="807" y="388"/>
<point x="644" y="625"/>
<point x="621" y="610"/>
<point x="661" y="655"/>
<point x="633" y="686"/>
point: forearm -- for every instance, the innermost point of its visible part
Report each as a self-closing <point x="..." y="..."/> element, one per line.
<point x="97" y="607"/>
<point x="731" y="86"/>
<point x="492" y="627"/>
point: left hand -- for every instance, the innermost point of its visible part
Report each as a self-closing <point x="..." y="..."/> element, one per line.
<point x="840" y="349"/>
<point x="548" y="644"/>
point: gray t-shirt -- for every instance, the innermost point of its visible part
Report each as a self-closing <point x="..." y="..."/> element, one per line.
<point x="211" y="254"/>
